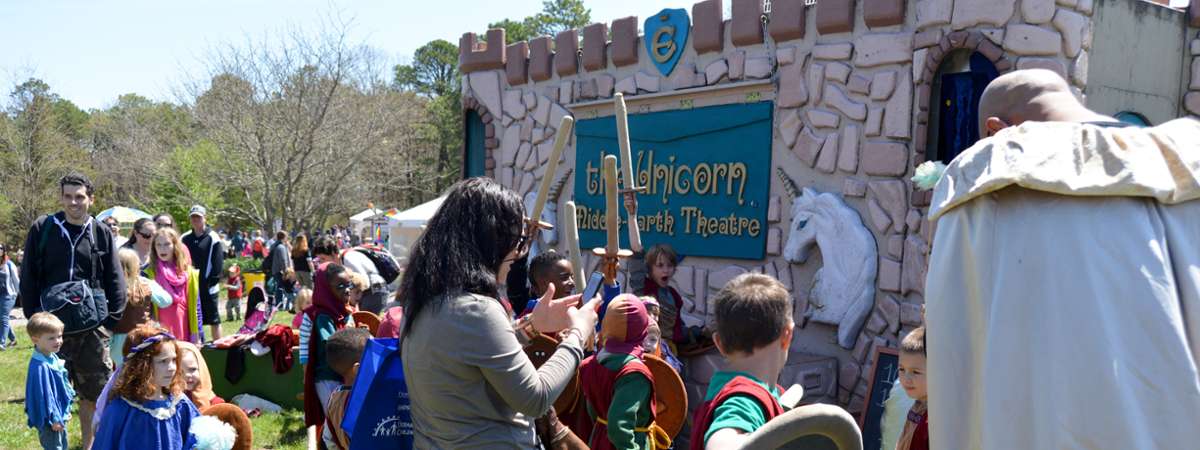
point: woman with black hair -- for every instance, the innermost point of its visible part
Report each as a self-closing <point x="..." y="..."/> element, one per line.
<point x="469" y="381"/>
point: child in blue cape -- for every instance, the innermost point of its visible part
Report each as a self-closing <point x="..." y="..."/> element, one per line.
<point x="148" y="409"/>
<point x="47" y="394"/>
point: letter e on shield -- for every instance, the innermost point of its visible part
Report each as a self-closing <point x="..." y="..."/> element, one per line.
<point x="666" y="34"/>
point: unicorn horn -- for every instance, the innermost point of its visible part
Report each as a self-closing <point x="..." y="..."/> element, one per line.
<point x="788" y="184"/>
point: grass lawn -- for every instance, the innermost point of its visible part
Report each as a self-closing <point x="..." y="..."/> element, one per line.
<point x="271" y="431"/>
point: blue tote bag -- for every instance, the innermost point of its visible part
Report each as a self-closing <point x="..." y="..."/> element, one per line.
<point x="377" y="414"/>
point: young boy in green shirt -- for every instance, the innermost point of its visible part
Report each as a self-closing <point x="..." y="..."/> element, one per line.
<point x="618" y="386"/>
<point x="754" y="331"/>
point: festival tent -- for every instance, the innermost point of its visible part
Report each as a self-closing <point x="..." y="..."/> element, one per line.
<point x="372" y="223"/>
<point x="358" y="221"/>
<point x="123" y="214"/>
<point x="404" y="227"/>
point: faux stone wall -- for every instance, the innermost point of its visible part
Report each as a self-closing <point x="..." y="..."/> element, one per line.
<point x="850" y="81"/>
<point x="1191" y="100"/>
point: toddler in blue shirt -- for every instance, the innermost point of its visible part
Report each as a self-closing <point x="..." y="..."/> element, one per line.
<point x="48" y="395"/>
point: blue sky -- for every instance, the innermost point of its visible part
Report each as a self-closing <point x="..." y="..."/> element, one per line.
<point x="90" y="52"/>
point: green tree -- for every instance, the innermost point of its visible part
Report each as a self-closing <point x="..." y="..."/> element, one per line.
<point x="433" y="72"/>
<point x="130" y="141"/>
<point x="186" y="178"/>
<point x="299" y="124"/>
<point x="516" y="31"/>
<point x="556" y="16"/>
<point x="561" y="15"/>
<point x="36" y="148"/>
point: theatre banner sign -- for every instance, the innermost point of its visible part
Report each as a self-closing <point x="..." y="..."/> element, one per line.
<point x="706" y="173"/>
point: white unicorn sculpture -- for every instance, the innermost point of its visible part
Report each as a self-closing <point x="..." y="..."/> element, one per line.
<point x="843" y="291"/>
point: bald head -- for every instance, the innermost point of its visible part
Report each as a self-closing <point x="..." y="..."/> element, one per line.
<point x="1027" y="95"/>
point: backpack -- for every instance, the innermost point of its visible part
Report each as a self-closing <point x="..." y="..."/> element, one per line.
<point x="378" y="414"/>
<point x="384" y="263"/>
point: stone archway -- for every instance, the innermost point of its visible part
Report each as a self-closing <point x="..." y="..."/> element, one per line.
<point x="935" y="52"/>
<point x="490" y="142"/>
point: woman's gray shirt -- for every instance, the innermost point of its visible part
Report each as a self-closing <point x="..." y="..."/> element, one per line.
<point x="471" y="384"/>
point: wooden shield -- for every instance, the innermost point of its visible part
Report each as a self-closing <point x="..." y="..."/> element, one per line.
<point x="366" y="319"/>
<point x="816" y="426"/>
<point x="539" y="351"/>
<point x="670" y="398"/>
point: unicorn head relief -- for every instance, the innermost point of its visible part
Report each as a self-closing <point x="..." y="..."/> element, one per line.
<point x="843" y="291"/>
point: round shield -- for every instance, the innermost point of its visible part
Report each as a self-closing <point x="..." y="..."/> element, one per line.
<point x="811" y="426"/>
<point x="539" y="350"/>
<point x="670" y="398"/>
<point x="366" y="319"/>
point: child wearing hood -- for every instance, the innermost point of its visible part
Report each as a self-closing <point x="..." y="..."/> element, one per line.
<point x="617" y="385"/>
<point x="329" y="312"/>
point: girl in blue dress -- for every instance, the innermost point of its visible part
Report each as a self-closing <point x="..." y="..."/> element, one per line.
<point x="147" y="408"/>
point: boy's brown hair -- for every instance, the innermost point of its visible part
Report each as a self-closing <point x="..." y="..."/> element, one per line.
<point x="661" y="250"/>
<point x="914" y="341"/>
<point x="345" y="348"/>
<point x="43" y="323"/>
<point x="753" y="310"/>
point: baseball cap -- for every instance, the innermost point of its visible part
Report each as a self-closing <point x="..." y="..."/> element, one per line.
<point x="198" y="210"/>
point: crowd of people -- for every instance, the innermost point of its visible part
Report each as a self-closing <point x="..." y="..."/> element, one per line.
<point x="472" y="301"/>
<point x="148" y="300"/>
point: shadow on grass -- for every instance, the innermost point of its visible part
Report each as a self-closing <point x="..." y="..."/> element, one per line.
<point x="293" y="433"/>
<point x="280" y="431"/>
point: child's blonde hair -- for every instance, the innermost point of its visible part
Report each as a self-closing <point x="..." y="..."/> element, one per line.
<point x="303" y="299"/>
<point x="651" y="302"/>
<point x="43" y="323"/>
<point x="361" y="282"/>
<point x="914" y="342"/>
<point x="136" y="292"/>
<point x="179" y="252"/>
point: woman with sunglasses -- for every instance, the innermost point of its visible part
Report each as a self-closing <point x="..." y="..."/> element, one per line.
<point x="141" y="240"/>
<point x="470" y="383"/>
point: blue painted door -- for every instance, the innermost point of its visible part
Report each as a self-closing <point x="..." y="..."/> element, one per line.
<point x="475" y="151"/>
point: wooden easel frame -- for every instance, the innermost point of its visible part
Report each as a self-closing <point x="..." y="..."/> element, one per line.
<point x="862" y="416"/>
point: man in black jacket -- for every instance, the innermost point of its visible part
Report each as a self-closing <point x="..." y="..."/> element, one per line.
<point x="71" y="245"/>
<point x="209" y="258"/>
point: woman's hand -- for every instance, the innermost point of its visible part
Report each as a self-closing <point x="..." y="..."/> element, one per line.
<point x="550" y="315"/>
<point x="584" y="318"/>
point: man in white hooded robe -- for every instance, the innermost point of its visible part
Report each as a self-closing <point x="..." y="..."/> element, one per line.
<point x="1063" y="291"/>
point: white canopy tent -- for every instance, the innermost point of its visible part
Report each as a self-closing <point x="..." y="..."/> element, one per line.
<point x="363" y="219"/>
<point x="405" y="227"/>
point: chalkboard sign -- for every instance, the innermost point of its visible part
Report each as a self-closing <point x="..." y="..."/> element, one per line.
<point x="884" y="373"/>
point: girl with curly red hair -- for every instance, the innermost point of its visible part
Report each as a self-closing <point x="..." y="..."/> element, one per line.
<point x="148" y="408"/>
